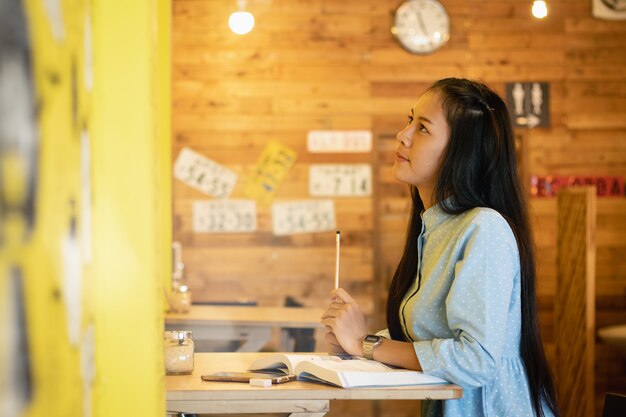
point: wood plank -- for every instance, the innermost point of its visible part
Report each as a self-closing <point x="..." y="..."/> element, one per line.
<point x="190" y="88"/>
<point x="575" y="321"/>
<point x="517" y="40"/>
<point x="243" y="122"/>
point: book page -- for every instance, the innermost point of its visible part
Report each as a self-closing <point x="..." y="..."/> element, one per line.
<point x="287" y="362"/>
<point x="356" y="365"/>
<point x="361" y="373"/>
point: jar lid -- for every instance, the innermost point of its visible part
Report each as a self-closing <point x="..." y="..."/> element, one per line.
<point x="177" y="335"/>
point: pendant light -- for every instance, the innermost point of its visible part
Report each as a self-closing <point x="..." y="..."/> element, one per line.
<point x="241" y="21"/>
<point x="540" y="9"/>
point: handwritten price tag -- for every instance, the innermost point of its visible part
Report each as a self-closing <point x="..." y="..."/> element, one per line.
<point x="224" y="216"/>
<point x="270" y="171"/>
<point x="347" y="180"/>
<point x="308" y="216"/>
<point x="204" y="174"/>
<point x="339" y="141"/>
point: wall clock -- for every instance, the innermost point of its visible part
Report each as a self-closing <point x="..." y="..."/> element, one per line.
<point x="421" y="26"/>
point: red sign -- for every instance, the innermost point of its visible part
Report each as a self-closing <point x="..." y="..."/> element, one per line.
<point x="549" y="185"/>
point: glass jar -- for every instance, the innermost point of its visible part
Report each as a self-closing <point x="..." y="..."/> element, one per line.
<point x="180" y="300"/>
<point x="178" y="350"/>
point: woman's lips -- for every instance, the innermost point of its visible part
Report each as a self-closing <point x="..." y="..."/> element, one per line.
<point x="401" y="158"/>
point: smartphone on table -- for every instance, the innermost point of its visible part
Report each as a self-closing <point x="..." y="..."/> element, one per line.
<point x="247" y="376"/>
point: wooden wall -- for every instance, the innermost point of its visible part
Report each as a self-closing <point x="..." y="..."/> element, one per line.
<point x="323" y="64"/>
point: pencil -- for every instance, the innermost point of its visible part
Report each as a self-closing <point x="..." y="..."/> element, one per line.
<point x="338" y="241"/>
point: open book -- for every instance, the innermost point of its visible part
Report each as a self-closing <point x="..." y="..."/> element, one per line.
<point x="346" y="373"/>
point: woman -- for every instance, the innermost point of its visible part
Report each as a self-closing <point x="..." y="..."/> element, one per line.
<point x="461" y="305"/>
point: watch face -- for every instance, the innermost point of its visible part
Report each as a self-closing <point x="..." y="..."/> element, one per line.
<point x="421" y="26"/>
<point x="372" y="338"/>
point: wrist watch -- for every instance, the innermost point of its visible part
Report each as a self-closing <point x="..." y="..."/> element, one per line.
<point x="370" y="342"/>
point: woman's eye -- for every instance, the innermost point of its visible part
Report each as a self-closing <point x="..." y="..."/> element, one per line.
<point x="422" y="128"/>
<point x="410" y="119"/>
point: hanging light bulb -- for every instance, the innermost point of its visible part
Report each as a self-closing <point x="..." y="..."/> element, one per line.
<point x="241" y="22"/>
<point x="540" y="9"/>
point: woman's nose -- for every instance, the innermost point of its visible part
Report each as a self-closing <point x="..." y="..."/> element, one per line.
<point x="403" y="137"/>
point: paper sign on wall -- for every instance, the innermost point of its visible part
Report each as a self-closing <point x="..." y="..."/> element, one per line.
<point x="529" y="104"/>
<point x="204" y="174"/>
<point x="341" y="180"/>
<point x="339" y="141"/>
<point x="269" y="172"/>
<point x="308" y="216"/>
<point x="550" y="185"/>
<point x="224" y="216"/>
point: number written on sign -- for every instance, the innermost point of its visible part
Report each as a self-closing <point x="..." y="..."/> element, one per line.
<point x="346" y="180"/>
<point x="308" y="216"/>
<point x="336" y="141"/>
<point x="224" y="216"/>
<point x="204" y="174"/>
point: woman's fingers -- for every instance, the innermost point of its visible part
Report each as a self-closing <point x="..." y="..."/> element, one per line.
<point x="342" y="295"/>
<point x="334" y="309"/>
<point x="346" y="322"/>
<point x="329" y="322"/>
<point x="331" y="338"/>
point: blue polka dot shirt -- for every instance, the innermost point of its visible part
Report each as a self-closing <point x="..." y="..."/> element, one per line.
<point x="463" y="313"/>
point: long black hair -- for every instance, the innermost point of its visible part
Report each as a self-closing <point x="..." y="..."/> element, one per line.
<point x="478" y="168"/>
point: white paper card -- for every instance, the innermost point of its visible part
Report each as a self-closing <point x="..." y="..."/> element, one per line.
<point x="224" y="216"/>
<point x="307" y="216"/>
<point x="339" y="141"/>
<point x="341" y="180"/>
<point x="204" y="174"/>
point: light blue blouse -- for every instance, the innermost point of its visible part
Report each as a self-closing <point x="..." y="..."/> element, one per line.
<point x="463" y="313"/>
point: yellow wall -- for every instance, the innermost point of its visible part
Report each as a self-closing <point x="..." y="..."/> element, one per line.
<point x="126" y="115"/>
<point x="129" y="224"/>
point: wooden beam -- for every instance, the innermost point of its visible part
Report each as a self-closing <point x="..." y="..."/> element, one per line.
<point x="574" y="312"/>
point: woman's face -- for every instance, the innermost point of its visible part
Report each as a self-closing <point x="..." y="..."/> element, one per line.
<point x="421" y="143"/>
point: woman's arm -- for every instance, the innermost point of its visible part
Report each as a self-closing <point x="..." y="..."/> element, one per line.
<point x="347" y="328"/>
<point x="396" y="353"/>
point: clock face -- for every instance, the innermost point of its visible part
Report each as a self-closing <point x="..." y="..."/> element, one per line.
<point x="421" y="26"/>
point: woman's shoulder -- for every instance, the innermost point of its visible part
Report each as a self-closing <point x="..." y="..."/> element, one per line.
<point x="487" y="228"/>
<point x="486" y="221"/>
<point x="484" y="215"/>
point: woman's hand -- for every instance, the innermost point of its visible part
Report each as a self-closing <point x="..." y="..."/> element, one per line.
<point x="335" y="347"/>
<point x="345" y="322"/>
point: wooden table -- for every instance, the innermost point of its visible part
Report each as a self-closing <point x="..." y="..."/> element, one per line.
<point x="252" y="325"/>
<point x="189" y="394"/>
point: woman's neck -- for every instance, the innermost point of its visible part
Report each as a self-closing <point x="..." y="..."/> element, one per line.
<point x="426" y="196"/>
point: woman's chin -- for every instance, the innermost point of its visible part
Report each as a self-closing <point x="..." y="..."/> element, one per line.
<point x="394" y="171"/>
<point x="397" y="174"/>
<point x="399" y="170"/>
